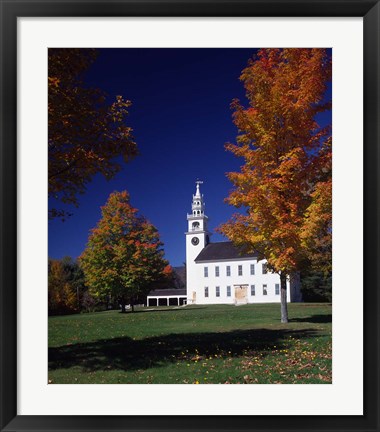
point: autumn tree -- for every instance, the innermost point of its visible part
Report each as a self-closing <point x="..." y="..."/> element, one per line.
<point x="124" y="257"/>
<point x="62" y="295"/>
<point x="85" y="131"/>
<point x="75" y="277"/>
<point x="316" y="234"/>
<point x="284" y="186"/>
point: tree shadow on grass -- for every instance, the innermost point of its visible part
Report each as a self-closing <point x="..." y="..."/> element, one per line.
<point x="320" y="319"/>
<point x="124" y="353"/>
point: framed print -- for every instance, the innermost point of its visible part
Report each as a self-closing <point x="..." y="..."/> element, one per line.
<point x="85" y="348"/>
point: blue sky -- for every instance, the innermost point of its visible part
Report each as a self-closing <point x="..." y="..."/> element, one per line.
<point x="181" y="119"/>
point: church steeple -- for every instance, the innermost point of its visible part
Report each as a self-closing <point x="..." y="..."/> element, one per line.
<point x="197" y="238"/>
<point x="197" y="220"/>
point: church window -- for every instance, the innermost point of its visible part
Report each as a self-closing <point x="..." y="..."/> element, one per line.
<point x="228" y="291"/>
<point x="217" y="271"/>
<point x="228" y="270"/>
<point x="252" y="269"/>
<point x="198" y="212"/>
<point x="195" y="225"/>
<point x="277" y="289"/>
<point x="253" y="292"/>
<point x="265" y="269"/>
<point x="205" y="271"/>
<point x="206" y="291"/>
<point x="217" y="291"/>
<point x="265" y="291"/>
<point x="240" y="270"/>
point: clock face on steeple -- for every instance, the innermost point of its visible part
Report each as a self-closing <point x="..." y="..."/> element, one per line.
<point x="195" y="241"/>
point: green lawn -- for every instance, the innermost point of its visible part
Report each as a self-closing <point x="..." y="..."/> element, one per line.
<point x="193" y="344"/>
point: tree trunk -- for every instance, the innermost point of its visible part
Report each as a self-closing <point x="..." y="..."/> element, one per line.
<point x="122" y="302"/>
<point x="78" y="298"/>
<point x="284" y="305"/>
<point x="133" y="307"/>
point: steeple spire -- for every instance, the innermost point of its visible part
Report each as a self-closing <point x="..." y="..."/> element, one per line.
<point x="197" y="193"/>
<point x="198" y="205"/>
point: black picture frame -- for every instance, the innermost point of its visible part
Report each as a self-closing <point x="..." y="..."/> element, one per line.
<point x="12" y="9"/>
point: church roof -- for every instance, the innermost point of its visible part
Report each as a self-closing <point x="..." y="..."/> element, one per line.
<point x="222" y="251"/>
<point x="167" y="292"/>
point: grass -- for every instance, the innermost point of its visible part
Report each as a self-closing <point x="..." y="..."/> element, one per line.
<point x="193" y="344"/>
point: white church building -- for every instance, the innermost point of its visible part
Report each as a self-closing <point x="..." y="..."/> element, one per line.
<point x="221" y="273"/>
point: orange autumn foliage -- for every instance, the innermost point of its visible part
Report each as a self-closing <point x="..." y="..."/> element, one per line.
<point x="85" y="132"/>
<point x="62" y="298"/>
<point x="284" y="184"/>
<point x="124" y="257"/>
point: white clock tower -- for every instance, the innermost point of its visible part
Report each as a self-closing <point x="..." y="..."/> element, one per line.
<point x="197" y="237"/>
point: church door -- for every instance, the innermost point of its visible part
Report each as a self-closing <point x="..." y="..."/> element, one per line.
<point x="241" y="294"/>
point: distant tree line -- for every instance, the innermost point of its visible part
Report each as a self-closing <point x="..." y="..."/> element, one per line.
<point x="316" y="286"/>
<point x="67" y="291"/>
